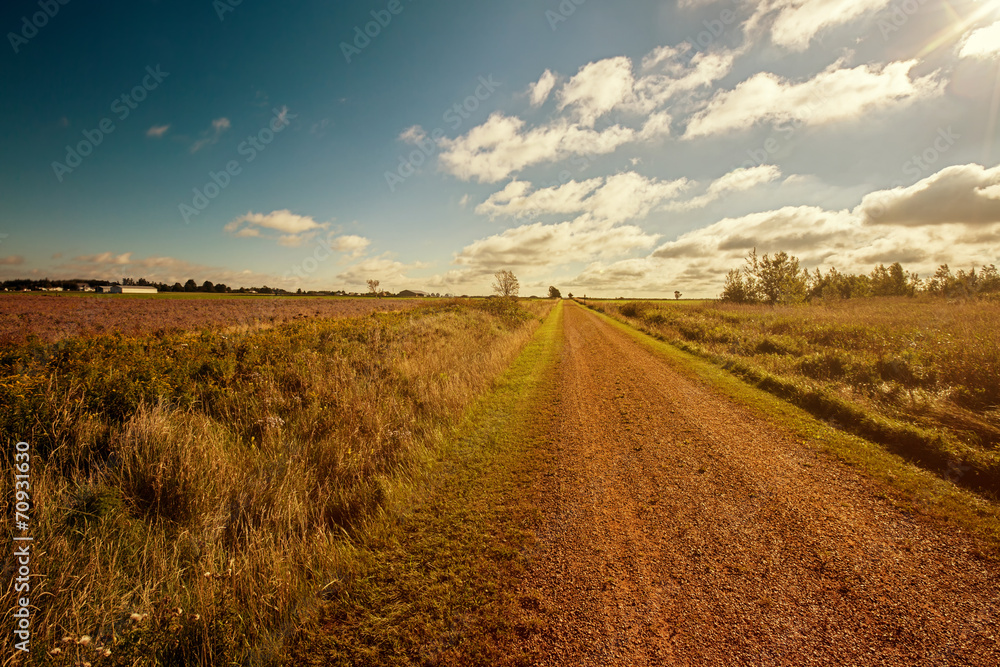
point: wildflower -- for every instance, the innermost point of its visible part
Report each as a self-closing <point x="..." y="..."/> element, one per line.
<point x="84" y="640"/>
<point x="55" y="651"/>
<point x="68" y="639"/>
<point x="136" y="617"/>
<point x="178" y="611"/>
<point x="208" y="575"/>
<point x="195" y="617"/>
<point x="106" y="652"/>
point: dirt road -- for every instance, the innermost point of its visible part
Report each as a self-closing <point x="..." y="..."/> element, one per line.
<point x="679" y="528"/>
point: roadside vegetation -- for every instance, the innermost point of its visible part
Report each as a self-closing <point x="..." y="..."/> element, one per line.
<point x="920" y="376"/>
<point x="197" y="493"/>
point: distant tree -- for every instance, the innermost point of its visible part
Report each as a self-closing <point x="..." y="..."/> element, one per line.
<point x="554" y="293"/>
<point x="505" y="284"/>
<point x="677" y="295"/>
<point x="190" y="285"/>
<point x="221" y="288"/>
<point x="570" y="295"/>
<point x="207" y="286"/>
<point x="373" y="287"/>
<point x="177" y="288"/>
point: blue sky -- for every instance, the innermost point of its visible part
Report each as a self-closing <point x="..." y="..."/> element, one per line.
<point x="607" y="148"/>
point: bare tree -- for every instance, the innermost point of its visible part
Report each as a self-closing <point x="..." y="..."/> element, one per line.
<point x="505" y="284"/>
<point x="373" y="287"/>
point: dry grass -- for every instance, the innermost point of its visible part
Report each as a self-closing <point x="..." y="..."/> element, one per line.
<point x="214" y="481"/>
<point x="921" y="376"/>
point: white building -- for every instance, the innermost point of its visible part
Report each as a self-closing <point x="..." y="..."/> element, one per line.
<point x="132" y="289"/>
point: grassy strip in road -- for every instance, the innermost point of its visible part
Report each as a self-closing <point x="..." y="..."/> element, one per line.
<point x="912" y="487"/>
<point x="429" y="585"/>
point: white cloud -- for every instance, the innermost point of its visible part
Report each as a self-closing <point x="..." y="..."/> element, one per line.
<point x="597" y="88"/>
<point x="157" y="131"/>
<point x="982" y="43"/>
<point x="609" y="200"/>
<point x="413" y="134"/>
<point x="798" y="21"/>
<point x="744" y="178"/>
<point x="209" y="137"/>
<point x="12" y="260"/>
<point x="294" y="228"/>
<point x="833" y="95"/>
<point x="676" y="77"/>
<point x="539" y="91"/>
<point x="950" y="217"/>
<point x="390" y="272"/>
<point x="106" y="258"/>
<point x="968" y="194"/>
<point x="548" y="246"/>
<point x="504" y="145"/>
<point x="501" y="146"/>
<point x="351" y="244"/>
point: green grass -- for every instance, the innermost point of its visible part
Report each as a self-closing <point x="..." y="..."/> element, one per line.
<point x="431" y="586"/>
<point x="907" y="484"/>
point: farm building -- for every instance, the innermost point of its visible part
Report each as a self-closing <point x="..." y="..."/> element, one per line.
<point x="132" y="289"/>
<point x="412" y="292"/>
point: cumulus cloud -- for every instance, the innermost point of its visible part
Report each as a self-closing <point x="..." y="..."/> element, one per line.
<point x="501" y="146"/>
<point x="833" y="95"/>
<point x="797" y="22"/>
<point x="551" y="245"/>
<point x="539" y="91"/>
<point x="950" y="217"/>
<point x="968" y="194"/>
<point x="351" y="244"/>
<point x="106" y="258"/>
<point x="597" y="89"/>
<point x="504" y="145"/>
<point x="157" y="131"/>
<point x="611" y="200"/>
<point x="211" y="136"/>
<point x="744" y="178"/>
<point x="384" y="268"/>
<point x="294" y="229"/>
<point x="983" y="43"/>
<point x="671" y="76"/>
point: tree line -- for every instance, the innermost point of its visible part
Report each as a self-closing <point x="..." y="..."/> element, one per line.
<point x="778" y="279"/>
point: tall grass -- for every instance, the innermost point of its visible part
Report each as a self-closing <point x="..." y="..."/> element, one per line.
<point x="919" y="375"/>
<point x="194" y="494"/>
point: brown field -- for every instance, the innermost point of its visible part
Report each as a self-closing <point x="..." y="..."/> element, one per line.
<point x="55" y="317"/>
<point x="920" y="376"/>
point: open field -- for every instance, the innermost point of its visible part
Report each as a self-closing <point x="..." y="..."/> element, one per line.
<point x="920" y="376"/>
<point x="53" y="317"/>
<point x="215" y="482"/>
